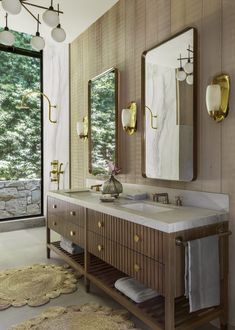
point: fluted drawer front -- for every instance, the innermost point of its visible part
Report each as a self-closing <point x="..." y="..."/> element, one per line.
<point x="76" y="214"/>
<point x="56" y="208"/>
<point x="139" y="238"/>
<point x="66" y="212"/>
<point x="134" y="264"/>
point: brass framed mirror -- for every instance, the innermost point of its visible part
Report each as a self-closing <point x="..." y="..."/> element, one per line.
<point x="169" y="100"/>
<point x="103" y="107"/>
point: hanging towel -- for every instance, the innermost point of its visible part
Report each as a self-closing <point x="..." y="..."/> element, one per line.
<point x="202" y="273"/>
<point x="135" y="290"/>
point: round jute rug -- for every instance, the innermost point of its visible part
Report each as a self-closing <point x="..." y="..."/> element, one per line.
<point x="34" y="285"/>
<point x="86" y="317"/>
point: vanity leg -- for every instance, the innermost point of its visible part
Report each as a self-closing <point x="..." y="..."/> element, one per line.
<point x="169" y="244"/>
<point x="87" y="285"/>
<point x="224" y="252"/>
<point x="48" y="240"/>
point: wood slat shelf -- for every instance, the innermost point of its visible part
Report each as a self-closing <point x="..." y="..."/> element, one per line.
<point x="152" y="311"/>
<point x="76" y="261"/>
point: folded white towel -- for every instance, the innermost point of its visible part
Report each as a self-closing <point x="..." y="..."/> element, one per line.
<point x="70" y="248"/>
<point x="202" y="273"/>
<point x="135" y="290"/>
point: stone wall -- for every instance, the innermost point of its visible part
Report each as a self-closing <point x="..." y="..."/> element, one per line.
<point x="20" y="198"/>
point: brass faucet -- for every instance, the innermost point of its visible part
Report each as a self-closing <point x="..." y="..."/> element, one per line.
<point x="55" y="172"/>
<point x="96" y="186"/>
<point x="161" y="197"/>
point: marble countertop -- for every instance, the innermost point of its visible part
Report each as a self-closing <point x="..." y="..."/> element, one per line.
<point x="175" y="219"/>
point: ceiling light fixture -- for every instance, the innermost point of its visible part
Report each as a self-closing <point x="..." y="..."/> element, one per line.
<point x="6" y="37"/>
<point x="50" y="17"/>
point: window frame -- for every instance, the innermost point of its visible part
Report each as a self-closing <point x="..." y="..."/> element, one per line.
<point x="39" y="55"/>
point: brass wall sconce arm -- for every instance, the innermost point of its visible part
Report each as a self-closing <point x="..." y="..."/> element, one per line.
<point x="82" y="128"/>
<point x="152" y="117"/>
<point x="217" y="97"/>
<point x="24" y="106"/>
<point x="129" y="120"/>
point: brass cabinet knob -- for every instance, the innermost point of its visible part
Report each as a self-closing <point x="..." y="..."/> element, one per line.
<point x="54" y="206"/>
<point x="100" y="224"/>
<point x="72" y="233"/>
<point x="54" y="223"/>
<point x="72" y="213"/>
<point x="100" y="247"/>
<point x="136" y="268"/>
<point x="136" y="238"/>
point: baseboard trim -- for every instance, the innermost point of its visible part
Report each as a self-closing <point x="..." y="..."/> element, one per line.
<point x="19" y="224"/>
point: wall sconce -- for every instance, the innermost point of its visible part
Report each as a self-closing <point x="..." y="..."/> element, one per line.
<point x="24" y="106"/>
<point x="129" y="122"/>
<point x="152" y="118"/>
<point x="217" y="97"/>
<point x="82" y="128"/>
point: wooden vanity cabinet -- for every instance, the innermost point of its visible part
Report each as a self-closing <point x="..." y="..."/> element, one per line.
<point x="114" y="248"/>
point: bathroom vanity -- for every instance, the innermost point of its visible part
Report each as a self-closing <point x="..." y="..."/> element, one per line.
<point x="144" y="240"/>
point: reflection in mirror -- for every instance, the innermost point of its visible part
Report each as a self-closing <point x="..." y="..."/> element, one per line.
<point x="168" y="103"/>
<point x="103" y="125"/>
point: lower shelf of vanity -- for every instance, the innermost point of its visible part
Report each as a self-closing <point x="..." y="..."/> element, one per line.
<point x="152" y="312"/>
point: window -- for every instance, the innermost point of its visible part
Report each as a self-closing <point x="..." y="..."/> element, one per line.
<point x="20" y="131"/>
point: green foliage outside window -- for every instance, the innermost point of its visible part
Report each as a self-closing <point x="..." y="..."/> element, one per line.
<point x="20" y="129"/>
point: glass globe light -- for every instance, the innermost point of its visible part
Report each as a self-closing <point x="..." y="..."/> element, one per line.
<point x="181" y="75"/>
<point x="6" y="37"/>
<point x="189" y="79"/>
<point x="50" y="17"/>
<point x="37" y="42"/>
<point x="12" y="6"/>
<point x="58" y="34"/>
<point x="188" y="68"/>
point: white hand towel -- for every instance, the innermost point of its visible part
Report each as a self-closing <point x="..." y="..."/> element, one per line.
<point x="135" y="290"/>
<point x="202" y="273"/>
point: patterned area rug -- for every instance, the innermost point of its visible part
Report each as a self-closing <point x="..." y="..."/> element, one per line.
<point x="35" y="285"/>
<point x="86" y="317"/>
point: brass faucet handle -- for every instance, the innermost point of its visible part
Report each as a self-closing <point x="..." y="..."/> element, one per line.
<point x="178" y="201"/>
<point x="96" y="186"/>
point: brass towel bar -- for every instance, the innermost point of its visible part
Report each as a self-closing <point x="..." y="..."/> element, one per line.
<point x="180" y="242"/>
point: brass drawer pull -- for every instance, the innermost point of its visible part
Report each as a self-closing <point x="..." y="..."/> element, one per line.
<point x="136" y="238"/>
<point x="100" y="247"/>
<point x="136" y="268"/>
<point x="54" y="223"/>
<point x="54" y="206"/>
<point x="100" y="224"/>
<point x="72" y="233"/>
<point x="72" y="213"/>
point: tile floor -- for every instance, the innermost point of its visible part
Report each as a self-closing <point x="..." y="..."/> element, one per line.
<point x="25" y="247"/>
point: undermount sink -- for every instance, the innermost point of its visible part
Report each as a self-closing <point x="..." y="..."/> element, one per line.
<point x="146" y="208"/>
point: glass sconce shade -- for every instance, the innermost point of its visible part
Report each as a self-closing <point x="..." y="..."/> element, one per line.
<point x="181" y="75"/>
<point x="213" y="97"/>
<point x="58" y="34"/>
<point x="50" y="17"/>
<point x="188" y="68"/>
<point x="37" y="43"/>
<point x="189" y="79"/>
<point x="7" y="38"/>
<point x="126" y="117"/>
<point x="129" y="120"/>
<point x="80" y="128"/>
<point x="12" y="6"/>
